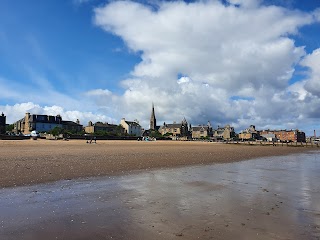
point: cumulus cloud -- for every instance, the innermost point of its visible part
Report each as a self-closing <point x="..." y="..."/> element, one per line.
<point x="242" y="49"/>
<point x="312" y="62"/>
<point x="229" y="62"/>
<point x="17" y="111"/>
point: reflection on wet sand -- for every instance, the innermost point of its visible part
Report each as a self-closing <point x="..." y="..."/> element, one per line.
<point x="268" y="198"/>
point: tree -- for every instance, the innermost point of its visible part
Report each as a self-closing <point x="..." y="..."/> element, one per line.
<point x="155" y="134"/>
<point x="56" y="131"/>
<point x="119" y="130"/>
<point x="9" y="127"/>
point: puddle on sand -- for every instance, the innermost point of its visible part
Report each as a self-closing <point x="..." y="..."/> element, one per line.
<point x="267" y="198"/>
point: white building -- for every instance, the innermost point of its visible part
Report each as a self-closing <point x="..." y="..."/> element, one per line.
<point x="270" y="137"/>
<point x="131" y="128"/>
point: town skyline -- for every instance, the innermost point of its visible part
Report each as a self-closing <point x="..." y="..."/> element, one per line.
<point x="165" y="127"/>
<point x="239" y="62"/>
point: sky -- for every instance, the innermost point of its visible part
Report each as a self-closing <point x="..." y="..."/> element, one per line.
<point x="237" y="62"/>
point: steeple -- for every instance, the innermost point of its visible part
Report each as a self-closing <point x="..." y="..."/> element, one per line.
<point x="153" y="121"/>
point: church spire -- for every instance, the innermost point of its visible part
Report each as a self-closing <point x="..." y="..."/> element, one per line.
<point x="153" y="121"/>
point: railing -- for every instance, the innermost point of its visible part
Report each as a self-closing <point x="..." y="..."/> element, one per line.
<point x="275" y="144"/>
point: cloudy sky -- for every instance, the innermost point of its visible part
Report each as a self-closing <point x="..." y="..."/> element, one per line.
<point x="237" y="62"/>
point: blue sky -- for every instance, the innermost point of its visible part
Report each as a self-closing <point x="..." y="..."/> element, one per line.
<point x="57" y="39"/>
<point x="238" y="62"/>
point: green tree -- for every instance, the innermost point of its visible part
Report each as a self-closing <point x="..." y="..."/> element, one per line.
<point x="155" y="134"/>
<point x="56" y="131"/>
<point x="9" y="127"/>
<point x="119" y="131"/>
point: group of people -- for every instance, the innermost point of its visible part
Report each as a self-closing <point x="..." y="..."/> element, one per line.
<point x="94" y="140"/>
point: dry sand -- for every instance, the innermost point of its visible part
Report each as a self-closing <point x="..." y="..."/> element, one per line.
<point x="27" y="162"/>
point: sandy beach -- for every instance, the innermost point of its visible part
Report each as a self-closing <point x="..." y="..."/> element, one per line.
<point x="157" y="190"/>
<point x="267" y="198"/>
<point x="28" y="162"/>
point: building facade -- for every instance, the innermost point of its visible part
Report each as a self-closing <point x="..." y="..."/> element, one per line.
<point x="176" y="130"/>
<point x="201" y="131"/>
<point x="101" y="127"/>
<point x="270" y="137"/>
<point x="44" y="123"/>
<point x="287" y="135"/>
<point x="225" y="133"/>
<point x="2" y="124"/>
<point x="131" y="128"/>
<point x="249" y="133"/>
<point x="72" y="126"/>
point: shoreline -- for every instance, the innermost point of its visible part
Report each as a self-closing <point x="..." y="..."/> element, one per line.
<point x="29" y="162"/>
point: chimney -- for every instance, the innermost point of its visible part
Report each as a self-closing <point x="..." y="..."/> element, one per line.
<point x="314" y="133"/>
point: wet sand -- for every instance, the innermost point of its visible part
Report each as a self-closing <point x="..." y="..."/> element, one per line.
<point x="266" y="198"/>
<point x="28" y="162"/>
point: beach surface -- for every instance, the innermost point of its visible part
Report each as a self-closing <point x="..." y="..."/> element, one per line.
<point x="266" y="198"/>
<point x="28" y="162"/>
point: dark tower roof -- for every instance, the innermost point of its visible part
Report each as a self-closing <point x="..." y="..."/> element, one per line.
<point x="153" y="121"/>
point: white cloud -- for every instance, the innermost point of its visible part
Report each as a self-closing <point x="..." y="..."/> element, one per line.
<point x="17" y="111"/>
<point x="312" y="61"/>
<point x="99" y="92"/>
<point x="242" y="49"/>
<point x="316" y="14"/>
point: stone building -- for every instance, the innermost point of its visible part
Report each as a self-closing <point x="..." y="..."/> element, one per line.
<point x="224" y="133"/>
<point x="201" y="131"/>
<point x="72" y="126"/>
<point x="101" y="127"/>
<point x="131" y="128"/>
<point x="287" y="135"/>
<point x="249" y="133"/>
<point x="176" y="130"/>
<point x="2" y="124"/>
<point x="44" y="123"/>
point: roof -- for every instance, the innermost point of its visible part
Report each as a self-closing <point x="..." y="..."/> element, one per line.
<point x="100" y="124"/>
<point x="133" y="123"/>
<point x="173" y="125"/>
<point x="200" y="128"/>
<point x="70" y="123"/>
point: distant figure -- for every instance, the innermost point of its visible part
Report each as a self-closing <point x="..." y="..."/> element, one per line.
<point x="90" y="141"/>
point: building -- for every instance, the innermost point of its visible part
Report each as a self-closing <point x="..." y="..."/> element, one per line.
<point x="176" y="130"/>
<point x="225" y="133"/>
<point x="2" y="124"/>
<point x="44" y="123"/>
<point x="153" y="120"/>
<point x="201" y="131"/>
<point x="270" y="137"/>
<point x="287" y="135"/>
<point x="102" y="127"/>
<point x="70" y="126"/>
<point x="131" y="128"/>
<point x="249" y="133"/>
